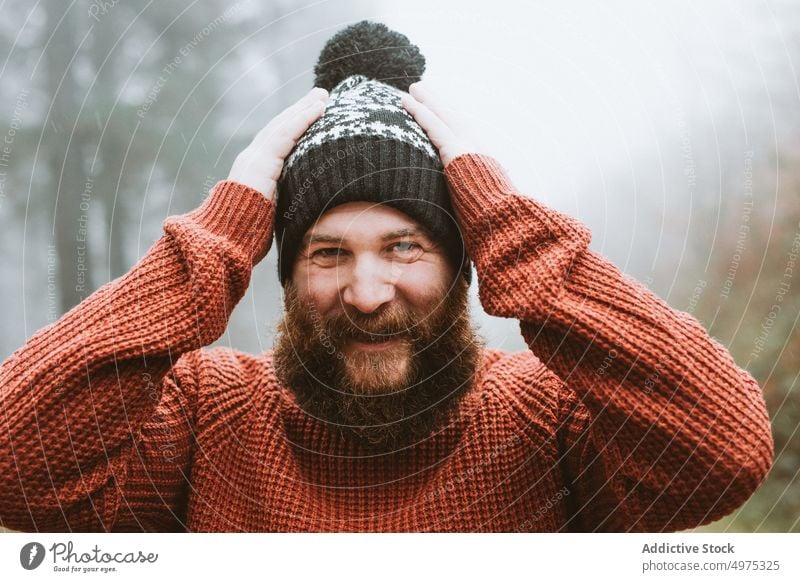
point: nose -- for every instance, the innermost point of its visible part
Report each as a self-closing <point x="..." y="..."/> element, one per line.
<point x="370" y="284"/>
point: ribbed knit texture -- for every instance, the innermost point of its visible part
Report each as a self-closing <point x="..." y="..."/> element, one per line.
<point x="629" y="417"/>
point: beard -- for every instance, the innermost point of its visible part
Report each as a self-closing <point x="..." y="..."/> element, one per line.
<point x="384" y="399"/>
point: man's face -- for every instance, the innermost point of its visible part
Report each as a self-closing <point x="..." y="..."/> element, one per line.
<point x="376" y="336"/>
<point x="372" y="270"/>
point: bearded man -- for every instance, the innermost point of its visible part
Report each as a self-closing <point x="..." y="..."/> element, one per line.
<point x="379" y="408"/>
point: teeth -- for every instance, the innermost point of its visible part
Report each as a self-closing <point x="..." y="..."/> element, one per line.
<point x="374" y="339"/>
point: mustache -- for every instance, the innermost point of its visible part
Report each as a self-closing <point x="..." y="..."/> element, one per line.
<point x="391" y="321"/>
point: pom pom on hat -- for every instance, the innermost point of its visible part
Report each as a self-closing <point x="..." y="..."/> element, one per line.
<point x="369" y="49"/>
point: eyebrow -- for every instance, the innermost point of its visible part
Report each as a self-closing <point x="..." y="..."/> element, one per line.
<point x="327" y="238"/>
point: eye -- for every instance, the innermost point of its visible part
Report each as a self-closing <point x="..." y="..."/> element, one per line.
<point x="405" y="245"/>
<point x="328" y="256"/>
<point x="406" y="250"/>
<point x="329" y="252"/>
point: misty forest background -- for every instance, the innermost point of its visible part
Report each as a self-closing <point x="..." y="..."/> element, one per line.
<point x="672" y="132"/>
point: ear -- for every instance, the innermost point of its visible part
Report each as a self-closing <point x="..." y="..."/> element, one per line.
<point x="466" y="270"/>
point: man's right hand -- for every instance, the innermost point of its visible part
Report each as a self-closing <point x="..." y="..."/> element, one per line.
<point x="259" y="165"/>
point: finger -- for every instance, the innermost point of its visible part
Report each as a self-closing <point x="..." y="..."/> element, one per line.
<point x="447" y="142"/>
<point x="305" y="118"/>
<point x="417" y="91"/>
<point x="290" y="124"/>
<point x="437" y="130"/>
<point x="425" y="94"/>
<point x="315" y="95"/>
<point x="293" y="128"/>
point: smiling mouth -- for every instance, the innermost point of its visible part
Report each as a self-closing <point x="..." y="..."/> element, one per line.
<point x="374" y="342"/>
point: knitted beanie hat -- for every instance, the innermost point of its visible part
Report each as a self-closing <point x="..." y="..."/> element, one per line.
<point x="365" y="146"/>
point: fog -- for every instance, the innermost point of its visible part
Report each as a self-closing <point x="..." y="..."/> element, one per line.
<point x="655" y="124"/>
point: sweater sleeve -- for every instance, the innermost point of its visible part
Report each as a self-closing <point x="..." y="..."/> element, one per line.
<point x="105" y="386"/>
<point x="660" y="429"/>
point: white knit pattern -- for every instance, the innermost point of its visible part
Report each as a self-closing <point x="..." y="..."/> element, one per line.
<point x="362" y="106"/>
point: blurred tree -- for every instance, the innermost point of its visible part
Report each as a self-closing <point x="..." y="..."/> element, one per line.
<point x="66" y="142"/>
<point x="753" y="302"/>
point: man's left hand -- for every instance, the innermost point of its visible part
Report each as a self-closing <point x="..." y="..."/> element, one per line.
<point x="437" y="120"/>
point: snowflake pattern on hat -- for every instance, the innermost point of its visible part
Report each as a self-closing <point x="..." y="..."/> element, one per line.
<point x="359" y="106"/>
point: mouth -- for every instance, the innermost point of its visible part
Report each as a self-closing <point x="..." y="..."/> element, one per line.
<point x="370" y="343"/>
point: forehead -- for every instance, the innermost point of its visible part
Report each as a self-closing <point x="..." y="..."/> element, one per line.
<point x="362" y="220"/>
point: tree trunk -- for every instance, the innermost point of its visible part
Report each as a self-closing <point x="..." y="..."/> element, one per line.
<point x="72" y="191"/>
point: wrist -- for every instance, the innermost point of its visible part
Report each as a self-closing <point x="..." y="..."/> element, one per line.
<point x="238" y="213"/>
<point x="447" y="155"/>
<point x="257" y="176"/>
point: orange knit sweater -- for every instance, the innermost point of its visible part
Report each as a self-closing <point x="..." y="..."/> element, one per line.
<point x="624" y="415"/>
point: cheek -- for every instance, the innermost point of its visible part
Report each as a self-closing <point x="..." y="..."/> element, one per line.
<point x="318" y="292"/>
<point x="422" y="285"/>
